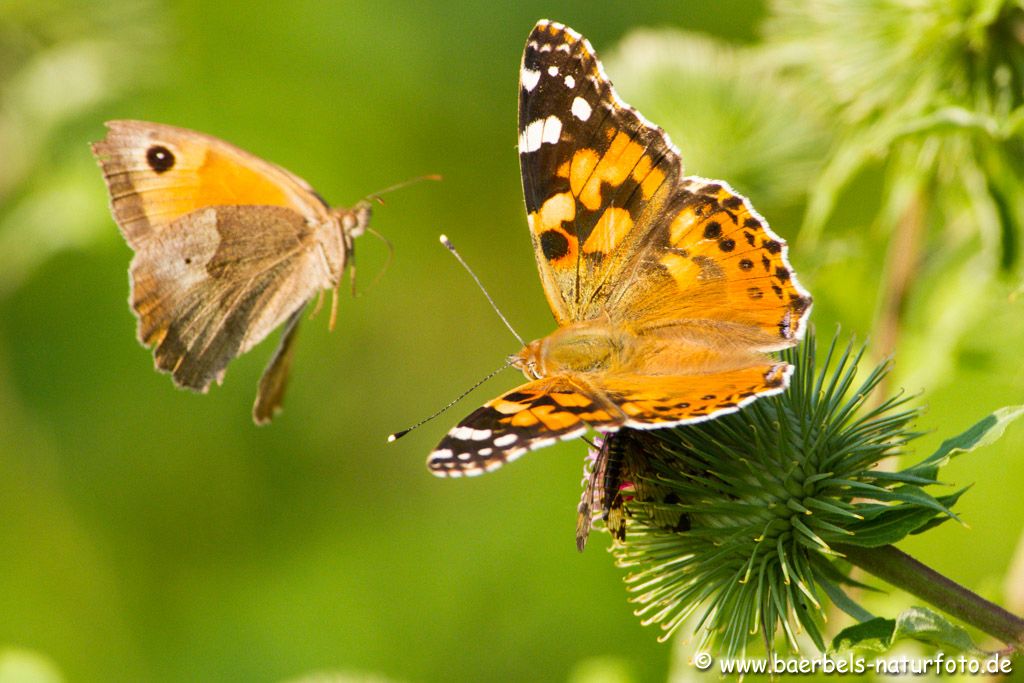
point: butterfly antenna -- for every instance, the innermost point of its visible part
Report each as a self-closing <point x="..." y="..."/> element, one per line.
<point x="451" y="247"/>
<point x="398" y="435"/>
<point x="384" y="268"/>
<point x="405" y="183"/>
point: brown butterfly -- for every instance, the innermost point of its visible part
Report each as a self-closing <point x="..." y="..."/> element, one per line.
<point x="227" y="248"/>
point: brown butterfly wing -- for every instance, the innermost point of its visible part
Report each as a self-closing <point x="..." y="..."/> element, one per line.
<point x="217" y="281"/>
<point x="274" y="381"/>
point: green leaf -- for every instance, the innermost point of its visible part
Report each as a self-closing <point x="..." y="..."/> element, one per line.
<point x="872" y="636"/>
<point x="982" y="433"/>
<point x="843" y="601"/>
<point x="878" y="635"/>
<point x="926" y="626"/>
<point x="889" y="528"/>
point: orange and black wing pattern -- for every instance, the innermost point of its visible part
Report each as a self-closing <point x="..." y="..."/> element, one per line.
<point x="596" y="174"/>
<point x="530" y="416"/>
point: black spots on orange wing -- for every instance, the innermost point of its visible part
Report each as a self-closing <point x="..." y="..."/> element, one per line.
<point x="713" y="189"/>
<point x="727" y="244"/>
<point x="554" y="245"/>
<point x="755" y="293"/>
<point x="782" y="274"/>
<point x="160" y="159"/>
<point x="713" y="230"/>
<point x="772" y="246"/>
<point x="799" y="304"/>
<point x="766" y="262"/>
<point x="749" y="237"/>
<point x="746" y="264"/>
<point x="732" y="202"/>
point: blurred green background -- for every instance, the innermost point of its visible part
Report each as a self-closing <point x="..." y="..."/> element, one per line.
<point x="150" y="534"/>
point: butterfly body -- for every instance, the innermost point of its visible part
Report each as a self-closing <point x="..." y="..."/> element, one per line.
<point x="227" y="248"/>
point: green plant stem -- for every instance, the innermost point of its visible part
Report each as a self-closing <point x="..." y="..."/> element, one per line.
<point x="903" y="571"/>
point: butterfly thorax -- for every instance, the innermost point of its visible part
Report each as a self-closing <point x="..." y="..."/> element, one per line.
<point x="338" y="241"/>
<point x="577" y="348"/>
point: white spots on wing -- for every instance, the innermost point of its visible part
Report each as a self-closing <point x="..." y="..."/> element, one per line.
<point x="512" y="455"/>
<point x="570" y="82"/>
<point x="464" y="457"/>
<point x="552" y="71"/>
<point x="546" y="47"/>
<point x="564" y="47"/>
<point x="529" y="78"/>
<point x="469" y="434"/>
<point x="541" y="443"/>
<point x="581" y="109"/>
<point x="552" y="130"/>
<point x="539" y="132"/>
<point x="485" y="451"/>
<point x="442" y="454"/>
<point x="506" y="440"/>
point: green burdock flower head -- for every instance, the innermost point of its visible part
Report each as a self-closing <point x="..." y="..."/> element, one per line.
<point x="746" y="522"/>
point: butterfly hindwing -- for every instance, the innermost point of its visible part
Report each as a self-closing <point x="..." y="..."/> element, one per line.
<point x="713" y="258"/>
<point x="669" y="400"/>
<point x="217" y="282"/>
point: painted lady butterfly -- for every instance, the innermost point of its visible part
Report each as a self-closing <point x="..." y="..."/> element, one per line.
<point x="668" y="290"/>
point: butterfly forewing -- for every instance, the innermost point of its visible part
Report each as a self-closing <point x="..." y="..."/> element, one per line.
<point x="595" y="172"/>
<point x="530" y="416"/>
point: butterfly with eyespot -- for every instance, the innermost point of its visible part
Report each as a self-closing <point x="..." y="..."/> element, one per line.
<point x="227" y="248"/>
<point x="669" y="291"/>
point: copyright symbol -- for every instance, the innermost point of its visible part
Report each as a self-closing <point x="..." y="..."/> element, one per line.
<point x="703" y="661"/>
